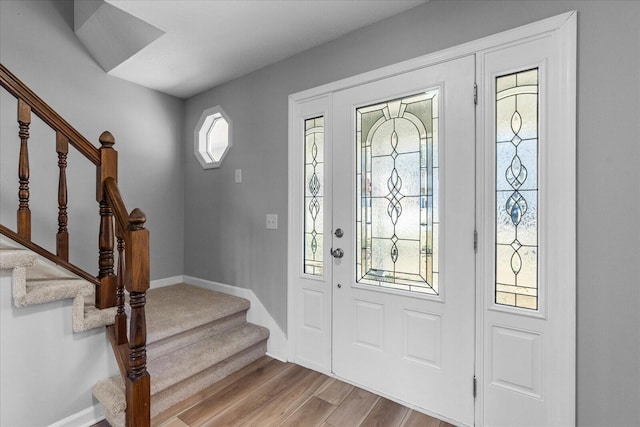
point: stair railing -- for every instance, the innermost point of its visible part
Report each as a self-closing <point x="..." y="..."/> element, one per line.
<point x="115" y="224"/>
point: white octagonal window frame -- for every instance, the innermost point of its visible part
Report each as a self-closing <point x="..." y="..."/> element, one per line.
<point x="212" y="137"/>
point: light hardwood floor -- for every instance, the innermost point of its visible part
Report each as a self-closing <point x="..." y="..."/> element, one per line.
<point x="272" y="393"/>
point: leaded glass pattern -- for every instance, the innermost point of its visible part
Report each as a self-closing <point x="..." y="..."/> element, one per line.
<point x="314" y="193"/>
<point x="516" y="251"/>
<point x="397" y="218"/>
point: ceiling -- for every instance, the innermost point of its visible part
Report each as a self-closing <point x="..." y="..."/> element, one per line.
<point x="183" y="47"/>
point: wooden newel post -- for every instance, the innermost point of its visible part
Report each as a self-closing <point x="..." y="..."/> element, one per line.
<point x="24" y="213"/>
<point x="138" y="384"/>
<point x="106" y="292"/>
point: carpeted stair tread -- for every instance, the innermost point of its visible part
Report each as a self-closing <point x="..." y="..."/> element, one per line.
<point x="43" y="291"/>
<point x="94" y="318"/>
<point x="179" y="365"/>
<point x="111" y="392"/>
<point x="186" y="338"/>
<point x="13" y="257"/>
<point x="162" y="401"/>
<point x="165" y="319"/>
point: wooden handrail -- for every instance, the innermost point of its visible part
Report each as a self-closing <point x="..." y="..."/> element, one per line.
<point x="18" y="89"/>
<point x="48" y="255"/>
<point x="117" y="203"/>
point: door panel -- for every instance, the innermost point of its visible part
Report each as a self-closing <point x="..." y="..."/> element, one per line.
<point x="403" y="295"/>
<point x="527" y="252"/>
<point x="311" y="327"/>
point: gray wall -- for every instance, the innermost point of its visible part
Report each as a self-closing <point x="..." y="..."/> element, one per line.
<point x="47" y="371"/>
<point x="38" y="45"/>
<point x="225" y="236"/>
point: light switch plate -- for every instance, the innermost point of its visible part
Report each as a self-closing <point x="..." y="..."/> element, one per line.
<point x="272" y="221"/>
<point x="238" y="176"/>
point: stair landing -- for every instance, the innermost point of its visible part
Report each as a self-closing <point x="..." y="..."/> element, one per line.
<point x="173" y="309"/>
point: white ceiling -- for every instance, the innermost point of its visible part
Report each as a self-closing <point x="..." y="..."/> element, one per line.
<point x="209" y="42"/>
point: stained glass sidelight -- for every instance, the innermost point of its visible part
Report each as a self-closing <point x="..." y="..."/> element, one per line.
<point x="397" y="191"/>
<point x="516" y="237"/>
<point x="313" y="197"/>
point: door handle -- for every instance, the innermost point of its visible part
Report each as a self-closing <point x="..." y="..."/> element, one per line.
<point x="337" y="253"/>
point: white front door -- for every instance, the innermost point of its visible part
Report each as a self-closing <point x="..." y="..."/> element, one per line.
<point x="385" y="290"/>
<point x="403" y="267"/>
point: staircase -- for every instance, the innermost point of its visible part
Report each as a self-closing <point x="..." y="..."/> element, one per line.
<point x="37" y="281"/>
<point x="170" y="342"/>
<point x="195" y="337"/>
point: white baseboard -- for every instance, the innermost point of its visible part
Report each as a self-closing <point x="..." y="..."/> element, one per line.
<point x="277" y="346"/>
<point x="166" y="281"/>
<point x="85" y="418"/>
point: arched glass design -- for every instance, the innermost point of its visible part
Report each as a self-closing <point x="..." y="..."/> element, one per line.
<point x="397" y="218"/>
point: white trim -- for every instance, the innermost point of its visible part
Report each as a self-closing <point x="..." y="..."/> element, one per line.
<point x="277" y="345"/>
<point x="167" y="281"/>
<point x="469" y="48"/>
<point x="292" y="245"/>
<point x="198" y="135"/>
<point x="85" y="418"/>
<point x="568" y="39"/>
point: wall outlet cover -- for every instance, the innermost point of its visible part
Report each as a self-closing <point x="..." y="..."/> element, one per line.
<point x="272" y="221"/>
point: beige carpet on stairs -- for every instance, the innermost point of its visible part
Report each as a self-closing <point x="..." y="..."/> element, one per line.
<point x="195" y="338"/>
<point x="36" y="280"/>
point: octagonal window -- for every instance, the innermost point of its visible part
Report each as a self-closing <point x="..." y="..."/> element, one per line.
<point x="212" y="137"/>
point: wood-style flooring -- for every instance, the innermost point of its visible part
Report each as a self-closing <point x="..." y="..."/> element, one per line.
<point x="272" y="393"/>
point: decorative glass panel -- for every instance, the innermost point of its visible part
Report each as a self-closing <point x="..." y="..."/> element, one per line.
<point x="517" y="190"/>
<point x="397" y="191"/>
<point x="313" y="197"/>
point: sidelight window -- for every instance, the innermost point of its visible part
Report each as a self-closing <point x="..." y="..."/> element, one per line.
<point x="314" y="195"/>
<point x="516" y="250"/>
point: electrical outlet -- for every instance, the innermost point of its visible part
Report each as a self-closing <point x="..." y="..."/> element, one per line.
<point x="272" y="221"/>
<point x="238" y="176"/>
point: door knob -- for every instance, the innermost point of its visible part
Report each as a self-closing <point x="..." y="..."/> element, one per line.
<point x="337" y="253"/>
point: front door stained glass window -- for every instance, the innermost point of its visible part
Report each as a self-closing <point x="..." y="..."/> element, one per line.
<point x="313" y="197"/>
<point x="516" y="251"/>
<point x="397" y="218"/>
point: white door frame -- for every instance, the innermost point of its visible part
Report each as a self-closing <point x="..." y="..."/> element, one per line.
<point x="565" y="27"/>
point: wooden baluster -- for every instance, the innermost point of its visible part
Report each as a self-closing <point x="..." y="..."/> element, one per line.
<point x="62" y="238"/>
<point x="121" y="316"/>
<point x="137" y="263"/>
<point x="106" y="293"/>
<point x="24" y="213"/>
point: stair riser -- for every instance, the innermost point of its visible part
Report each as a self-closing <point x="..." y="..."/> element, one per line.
<point x="173" y="343"/>
<point x="184" y="389"/>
